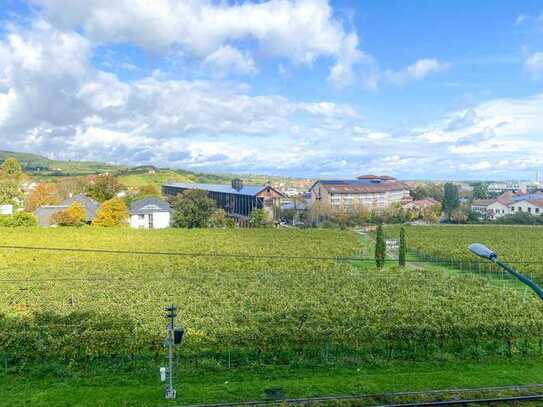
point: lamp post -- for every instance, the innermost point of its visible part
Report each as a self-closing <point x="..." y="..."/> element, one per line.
<point x="482" y="251"/>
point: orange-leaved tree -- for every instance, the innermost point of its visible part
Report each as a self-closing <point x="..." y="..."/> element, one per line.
<point x="74" y="215"/>
<point x="43" y="194"/>
<point x="111" y="213"/>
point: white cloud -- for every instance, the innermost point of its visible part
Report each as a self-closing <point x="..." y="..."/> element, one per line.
<point x="229" y="59"/>
<point x="300" y="30"/>
<point x="534" y="64"/>
<point x="417" y="71"/>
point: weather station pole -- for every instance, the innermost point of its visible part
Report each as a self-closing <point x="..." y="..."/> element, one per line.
<point x="484" y="252"/>
<point x="174" y="336"/>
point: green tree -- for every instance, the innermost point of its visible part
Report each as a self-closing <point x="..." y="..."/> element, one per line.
<point x="451" y="200"/>
<point x="259" y="218"/>
<point x="192" y="209"/>
<point x="112" y="212"/>
<point x="380" y="247"/>
<point x="103" y="188"/>
<point x="10" y="193"/>
<point x="11" y="169"/>
<point x="217" y="219"/>
<point x="403" y="247"/>
<point x="480" y="191"/>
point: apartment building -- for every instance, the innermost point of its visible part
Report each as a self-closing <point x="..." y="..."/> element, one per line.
<point x="370" y="191"/>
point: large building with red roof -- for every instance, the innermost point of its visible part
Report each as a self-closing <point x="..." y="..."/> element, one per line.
<point x="371" y="191"/>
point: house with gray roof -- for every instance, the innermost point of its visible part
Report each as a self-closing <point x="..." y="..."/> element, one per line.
<point x="150" y="213"/>
<point x="45" y="213"/>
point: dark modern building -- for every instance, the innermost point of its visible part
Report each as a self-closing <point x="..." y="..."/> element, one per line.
<point x="236" y="200"/>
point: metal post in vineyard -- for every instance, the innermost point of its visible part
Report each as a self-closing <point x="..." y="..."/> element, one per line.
<point x="174" y="336"/>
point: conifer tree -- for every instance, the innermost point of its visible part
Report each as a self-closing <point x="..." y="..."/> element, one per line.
<point x="380" y="248"/>
<point x="403" y="248"/>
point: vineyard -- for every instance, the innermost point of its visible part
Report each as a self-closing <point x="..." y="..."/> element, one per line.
<point x="520" y="245"/>
<point x="244" y="309"/>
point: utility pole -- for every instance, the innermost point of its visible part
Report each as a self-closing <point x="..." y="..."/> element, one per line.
<point x="170" y="315"/>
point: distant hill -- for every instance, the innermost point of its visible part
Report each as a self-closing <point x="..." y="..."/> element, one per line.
<point x="37" y="165"/>
<point x="43" y="168"/>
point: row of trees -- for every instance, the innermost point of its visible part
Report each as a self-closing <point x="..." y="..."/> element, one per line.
<point x="322" y="214"/>
<point x="381" y="249"/>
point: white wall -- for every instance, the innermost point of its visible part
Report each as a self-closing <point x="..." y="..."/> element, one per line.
<point x="497" y="210"/>
<point x="525" y="206"/>
<point x="161" y="220"/>
<point x="6" y="209"/>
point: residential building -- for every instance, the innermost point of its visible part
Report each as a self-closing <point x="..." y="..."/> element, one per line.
<point x="45" y="213"/>
<point x="6" y="210"/>
<point x="493" y="208"/>
<point x="150" y="213"/>
<point x="370" y="191"/>
<point x="531" y="206"/>
<point x="237" y="200"/>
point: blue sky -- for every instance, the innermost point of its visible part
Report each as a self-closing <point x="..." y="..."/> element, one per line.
<point x="313" y="88"/>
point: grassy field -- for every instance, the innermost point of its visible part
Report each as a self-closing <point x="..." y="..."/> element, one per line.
<point x="247" y="318"/>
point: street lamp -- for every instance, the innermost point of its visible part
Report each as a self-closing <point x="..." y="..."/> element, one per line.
<point x="482" y="251"/>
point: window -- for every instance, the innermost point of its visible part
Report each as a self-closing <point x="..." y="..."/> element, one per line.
<point x="151" y="225"/>
<point x="141" y="217"/>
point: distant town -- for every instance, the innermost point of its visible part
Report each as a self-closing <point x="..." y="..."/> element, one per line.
<point x="364" y="199"/>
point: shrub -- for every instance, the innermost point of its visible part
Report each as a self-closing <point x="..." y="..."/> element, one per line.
<point x="111" y="213"/>
<point x="259" y="218"/>
<point x="20" y="219"/>
<point x="74" y="215"/>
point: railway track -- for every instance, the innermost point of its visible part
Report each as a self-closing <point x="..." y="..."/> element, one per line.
<point x="454" y="397"/>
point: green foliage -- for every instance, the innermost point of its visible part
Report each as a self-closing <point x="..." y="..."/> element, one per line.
<point x="403" y="247"/>
<point x="11" y="169"/>
<point x="520" y="218"/>
<point x="218" y="219"/>
<point x="111" y="213"/>
<point x="450" y="243"/>
<point x="103" y="188"/>
<point x="451" y="200"/>
<point x="19" y="219"/>
<point x="192" y="209"/>
<point x="10" y="193"/>
<point x="380" y="247"/>
<point x="253" y="310"/>
<point x="74" y="215"/>
<point x="259" y="218"/>
<point x="480" y="191"/>
<point x="427" y="190"/>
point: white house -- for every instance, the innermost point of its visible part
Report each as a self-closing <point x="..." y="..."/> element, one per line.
<point x="150" y="213"/>
<point x="493" y="208"/>
<point x="6" y="210"/>
<point x="533" y="207"/>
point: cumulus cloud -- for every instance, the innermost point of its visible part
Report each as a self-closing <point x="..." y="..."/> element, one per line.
<point x="417" y="71"/>
<point x="299" y="30"/>
<point x="229" y="59"/>
<point x="53" y="101"/>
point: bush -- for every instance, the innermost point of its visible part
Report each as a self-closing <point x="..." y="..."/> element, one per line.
<point x="111" y="213"/>
<point x="74" y="215"/>
<point x="192" y="209"/>
<point x="20" y="219"/>
<point x="259" y="218"/>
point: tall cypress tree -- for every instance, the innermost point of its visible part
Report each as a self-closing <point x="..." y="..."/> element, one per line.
<point x="403" y="248"/>
<point x="380" y="248"/>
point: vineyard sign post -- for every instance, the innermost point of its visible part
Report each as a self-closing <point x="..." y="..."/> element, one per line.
<point x="484" y="252"/>
<point x="174" y="336"/>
